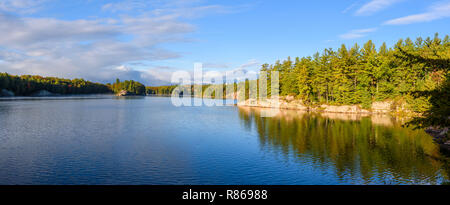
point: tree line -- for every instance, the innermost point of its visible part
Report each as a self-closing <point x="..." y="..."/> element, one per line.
<point x="415" y="72"/>
<point x="132" y="87"/>
<point x="411" y="73"/>
<point x="28" y="84"/>
<point x="362" y="75"/>
<point x="168" y="89"/>
<point x="160" y="90"/>
<point x="25" y="85"/>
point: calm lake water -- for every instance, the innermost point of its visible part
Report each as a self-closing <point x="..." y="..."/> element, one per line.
<point x="146" y="140"/>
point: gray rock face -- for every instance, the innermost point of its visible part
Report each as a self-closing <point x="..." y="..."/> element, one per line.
<point x="42" y="93"/>
<point x="6" y="93"/>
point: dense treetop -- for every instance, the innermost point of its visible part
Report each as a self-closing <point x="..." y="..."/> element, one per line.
<point x="28" y="84"/>
<point x="160" y="90"/>
<point x="415" y="72"/>
<point x="363" y="74"/>
<point x="132" y="87"/>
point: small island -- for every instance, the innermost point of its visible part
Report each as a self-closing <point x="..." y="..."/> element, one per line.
<point x="128" y="88"/>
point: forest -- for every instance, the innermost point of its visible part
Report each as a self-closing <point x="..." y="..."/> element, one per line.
<point x="415" y="72"/>
<point x="132" y="87"/>
<point x="160" y="90"/>
<point x="361" y="75"/>
<point x="28" y="84"/>
<point x="411" y="72"/>
<point x="168" y="89"/>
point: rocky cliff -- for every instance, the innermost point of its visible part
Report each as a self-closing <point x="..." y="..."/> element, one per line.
<point x="290" y="102"/>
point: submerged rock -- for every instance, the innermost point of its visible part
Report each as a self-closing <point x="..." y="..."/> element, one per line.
<point x="6" y="93"/>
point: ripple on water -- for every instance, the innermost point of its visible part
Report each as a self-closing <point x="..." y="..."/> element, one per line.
<point x="105" y="140"/>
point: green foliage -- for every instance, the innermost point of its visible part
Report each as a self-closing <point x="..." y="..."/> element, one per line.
<point x="168" y="89"/>
<point x="433" y="57"/>
<point x="363" y="75"/>
<point x="438" y="113"/>
<point x="28" y="84"/>
<point x="160" y="90"/>
<point x="132" y="87"/>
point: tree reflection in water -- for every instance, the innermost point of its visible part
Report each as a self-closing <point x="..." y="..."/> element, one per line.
<point x="374" y="149"/>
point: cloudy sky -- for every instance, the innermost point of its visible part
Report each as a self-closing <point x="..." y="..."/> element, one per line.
<point x="147" y="40"/>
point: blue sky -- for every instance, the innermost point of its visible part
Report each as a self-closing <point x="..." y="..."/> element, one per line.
<point x="148" y="40"/>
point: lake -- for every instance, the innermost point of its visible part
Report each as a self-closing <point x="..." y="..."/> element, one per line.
<point x="147" y="140"/>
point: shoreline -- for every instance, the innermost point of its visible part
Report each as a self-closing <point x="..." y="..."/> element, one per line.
<point x="386" y="108"/>
<point x="381" y="109"/>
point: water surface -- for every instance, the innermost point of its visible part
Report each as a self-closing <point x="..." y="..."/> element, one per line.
<point x="146" y="140"/>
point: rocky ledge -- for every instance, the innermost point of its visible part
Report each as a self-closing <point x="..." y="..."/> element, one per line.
<point x="126" y="93"/>
<point x="123" y="93"/>
<point x="6" y="93"/>
<point x="290" y="102"/>
<point x="43" y="93"/>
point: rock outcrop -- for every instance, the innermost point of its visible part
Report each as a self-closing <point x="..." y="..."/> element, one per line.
<point x="6" y="93"/>
<point x="342" y="109"/>
<point x="289" y="102"/>
<point x="439" y="135"/>
<point x="274" y="103"/>
<point x="381" y="107"/>
<point x="42" y="93"/>
<point x="123" y="93"/>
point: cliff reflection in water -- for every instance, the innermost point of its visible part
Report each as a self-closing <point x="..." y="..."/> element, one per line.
<point x="361" y="149"/>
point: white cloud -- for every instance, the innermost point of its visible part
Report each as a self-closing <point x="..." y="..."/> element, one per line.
<point x="95" y="49"/>
<point x="125" y="6"/>
<point x="21" y="6"/>
<point x="353" y="5"/>
<point x="216" y="65"/>
<point x="83" y="48"/>
<point x="123" y="68"/>
<point x="374" y="6"/>
<point x="250" y="63"/>
<point x="249" y="69"/>
<point x="358" y="33"/>
<point x="435" y="12"/>
<point x="176" y="8"/>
